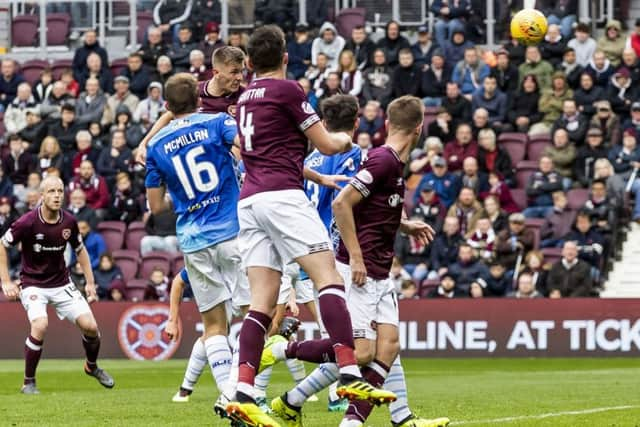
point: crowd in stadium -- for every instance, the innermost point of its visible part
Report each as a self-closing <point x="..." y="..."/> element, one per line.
<point x="523" y="169"/>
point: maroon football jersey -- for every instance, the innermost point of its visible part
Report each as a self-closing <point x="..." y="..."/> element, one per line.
<point x="378" y="215"/>
<point x="43" y="247"/>
<point x="272" y="117"/>
<point x="218" y="104"/>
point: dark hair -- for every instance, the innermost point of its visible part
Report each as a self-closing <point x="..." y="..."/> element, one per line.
<point x="266" y="48"/>
<point x="405" y="113"/>
<point x="68" y="107"/>
<point x="181" y="93"/>
<point x="583" y="28"/>
<point x="584" y="213"/>
<point x="599" y="181"/>
<point x="340" y="112"/>
<point x="14" y="137"/>
<point x="135" y="55"/>
<point x="405" y="51"/>
<point x="359" y="27"/>
<point x="227" y="55"/>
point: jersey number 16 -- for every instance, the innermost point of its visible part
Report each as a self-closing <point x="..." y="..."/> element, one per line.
<point x="196" y="169"/>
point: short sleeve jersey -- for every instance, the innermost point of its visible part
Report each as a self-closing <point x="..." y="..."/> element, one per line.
<point x="191" y="156"/>
<point x="218" y="104"/>
<point x="43" y="247"/>
<point x="377" y="217"/>
<point x="272" y="117"/>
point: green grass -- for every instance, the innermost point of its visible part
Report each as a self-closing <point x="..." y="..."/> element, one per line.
<point x="464" y="390"/>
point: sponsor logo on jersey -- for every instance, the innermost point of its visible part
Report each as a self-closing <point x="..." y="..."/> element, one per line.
<point x="365" y="176"/>
<point x="395" y="200"/>
<point x="141" y="333"/>
<point x="39" y="236"/>
<point x="66" y="233"/>
<point x="308" y="108"/>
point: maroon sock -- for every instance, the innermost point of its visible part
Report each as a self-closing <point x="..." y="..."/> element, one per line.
<point x="314" y="351"/>
<point x="91" y="348"/>
<point x="337" y="322"/>
<point x="375" y="374"/>
<point x="32" y="353"/>
<point x="251" y="340"/>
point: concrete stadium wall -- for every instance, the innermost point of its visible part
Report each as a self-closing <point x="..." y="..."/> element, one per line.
<point x="433" y="328"/>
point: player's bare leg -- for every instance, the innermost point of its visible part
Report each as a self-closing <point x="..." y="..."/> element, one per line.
<point x="91" y="343"/>
<point x="32" y="353"/>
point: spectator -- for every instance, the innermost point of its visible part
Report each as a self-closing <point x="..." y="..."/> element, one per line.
<point x="472" y="178"/>
<point x="22" y="195"/>
<point x="534" y="64"/>
<point x="615" y="185"/>
<point x="620" y="92"/>
<point x="392" y="43"/>
<point x="81" y="55"/>
<point x="84" y="151"/>
<point x="513" y="242"/>
<point x="505" y="72"/>
<point x="350" y="76"/>
<point x="562" y="13"/>
<point x="442" y="127"/>
<point x="480" y="121"/>
<point x="108" y="276"/>
<point x="522" y="109"/>
<point x="601" y="69"/>
<point x="633" y="123"/>
<point x="482" y="238"/>
<point x="114" y="158"/>
<point x="331" y="86"/>
<point x="93" y="241"/>
<point x="361" y="46"/>
<point x="445" y="247"/>
<point x="562" y="153"/>
<point x="631" y="63"/>
<point x="582" y="44"/>
<point x="378" y="80"/>
<point x="364" y="142"/>
<point x="601" y="208"/>
<point x="455" y="48"/>
<point x="569" y="277"/>
<point x="413" y="254"/>
<point x="328" y="42"/>
<point x="406" y="76"/>
<point x="163" y="71"/>
<point x="397" y="274"/>
<point x="7" y="214"/>
<point x="91" y="103"/>
<point x="204" y="13"/>
<point x="51" y="108"/>
<point x="633" y="41"/>
<point x="94" y="187"/>
<point x="423" y="48"/>
<point x="372" y="122"/>
<point x="73" y="88"/>
<point x="306" y="87"/>
<point x="161" y="234"/>
<point x="409" y="290"/>
<point x="65" y="128"/>
<point x="467" y="269"/>
<point x="450" y="17"/>
<point x="540" y="187"/>
<point x="570" y="67"/>
<point x="158" y="286"/>
<point x="421" y="159"/>
<point x="446" y="184"/>
<point x="125" y="206"/>
<point x="152" y="48"/>
<point x="588" y="94"/>
<point x="169" y="14"/>
<point x="447" y="288"/>
<point x="467" y="209"/>
<point x="429" y="209"/>
<point x="240" y="39"/>
<point x="434" y="80"/>
<point x="15" y="115"/>
<point x="179" y="52"/>
<point x="35" y="130"/>
<point x="457" y="105"/>
<point x="459" y="149"/>
<point x="516" y="51"/>
<point x="591" y="243"/>
<point x="587" y="155"/>
<point x="492" y="100"/>
<point x="6" y="190"/>
<point x="299" y="50"/>
<point x="9" y="83"/>
<point x="551" y="103"/>
<point x="553" y="46"/>
<point x="124" y="122"/>
<point x="318" y="73"/>
<point x="470" y="72"/>
<point x="122" y="96"/>
<point x="137" y="74"/>
<point x="150" y="108"/>
<point x="612" y="43"/>
<point x="17" y="164"/>
<point x="197" y="67"/>
<point x="493" y="158"/>
<point x="79" y="208"/>
<point x="210" y="43"/>
<point x="281" y="13"/>
<point x="496" y="284"/>
<point x="626" y="157"/>
<point x="50" y="155"/>
<point x="94" y="69"/>
<point x="43" y="86"/>
<point x="526" y="288"/>
<point x="499" y="189"/>
<point x="607" y="121"/>
<point x="535" y="266"/>
<point x="558" y="223"/>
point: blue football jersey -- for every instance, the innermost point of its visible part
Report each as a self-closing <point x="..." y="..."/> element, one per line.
<point x="191" y="157"/>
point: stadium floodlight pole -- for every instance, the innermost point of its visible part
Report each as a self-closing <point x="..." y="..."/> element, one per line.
<point x="43" y="27"/>
<point x="133" y="24"/>
<point x="490" y="25"/>
<point x="302" y="12"/>
<point x="224" y="18"/>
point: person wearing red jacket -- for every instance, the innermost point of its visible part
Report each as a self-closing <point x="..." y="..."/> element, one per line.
<point x="459" y="149"/>
<point x="94" y="187"/>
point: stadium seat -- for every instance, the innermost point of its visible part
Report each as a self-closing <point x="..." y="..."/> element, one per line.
<point x="59" y="66"/>
<point x="145" y="20"/>
<point x="513" y="137"/>
<point x="427" y="285"/>
<point x="535" y="224"/>
<point x="113" y="234"/>
<point x="552" y="255"/>
<point x="519" y="196"/>
<point x="577" y="197"/>
<point x="178" y="264"/>
<point x="24" y="30"/>
<point x="117" y="65"/>
<point x="128" y="261"/>
<point x="524" y="171"/>
<point x="153" y="259"/>
<point x="136" y="294"/>
<point x="31" y="70"/>
<point x="516" y="150"/>
<point x="535" y="149"/>
<point x="58" y="25"/>
<point x="348" y="19"/>
<point x="137" y="283"/>
<point x="135" y="233"/>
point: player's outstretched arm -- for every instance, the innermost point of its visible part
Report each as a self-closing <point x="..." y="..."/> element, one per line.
<point x="418" y="229"/>
<point x="163" y="120"/>
<point x="177" y="289"/>
<point x="328" y="143"/>
<point x="331" y="181"/>
<point x="10" y="289"/>
<point x="343" y="212"/>
<point x="158" y="200"/>
<point x="85" y="263"/>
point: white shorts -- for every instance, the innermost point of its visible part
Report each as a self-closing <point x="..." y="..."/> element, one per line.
<point x="216" y="277"/>
<point x="67" y="300"/>
<point x="369" y="305"/>
<point x="277" y="227"/>
<point x="305" y="291"/>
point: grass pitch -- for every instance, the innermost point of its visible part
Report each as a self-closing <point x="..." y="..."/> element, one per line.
<point x="474" y="392"/>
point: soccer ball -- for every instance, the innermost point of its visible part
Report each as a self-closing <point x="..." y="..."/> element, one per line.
<point x="529" y="26"/>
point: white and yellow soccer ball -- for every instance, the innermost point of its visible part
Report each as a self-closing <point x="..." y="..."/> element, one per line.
<point x="529" y="26"/>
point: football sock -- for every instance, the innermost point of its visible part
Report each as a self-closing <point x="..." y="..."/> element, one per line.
<point x="296" y="369"/>
<point x="375" y="373"/>
<point x="333" y="395"/>
<point x="395" y="383"/>
<point x="232" y="382"/>
<point x="32" y="353"/>
<point x="91" y="348"/>
<point x="197" y="362"/>
<point x="336" y="320"/>
<point x="314" y="351"/>
<point x="252" y="333"/>
<point x="262" y="382"/>
<point x="219" y="357"/>
<point x="320" y="378"/>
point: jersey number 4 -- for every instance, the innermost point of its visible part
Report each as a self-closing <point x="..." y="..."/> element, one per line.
<point x="246" y="128"/>
<point x="196" y="169"/>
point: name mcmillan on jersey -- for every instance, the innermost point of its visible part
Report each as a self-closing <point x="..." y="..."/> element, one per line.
<point x="186" y="139"/>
